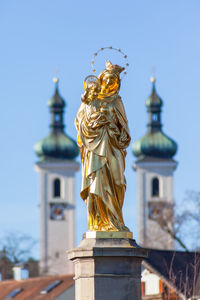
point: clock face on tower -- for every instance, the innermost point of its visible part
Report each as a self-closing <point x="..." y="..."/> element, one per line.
<point x="57" y="211"/>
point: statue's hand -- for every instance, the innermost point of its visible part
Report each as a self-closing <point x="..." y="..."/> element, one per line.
<point x="97" y="120"/>
<point x="124" y="139"/>
<point x="123" y="135"/>
<point x="84" y="96"/>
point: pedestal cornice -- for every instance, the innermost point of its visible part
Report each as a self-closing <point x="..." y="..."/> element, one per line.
<point x="107" y="247"/>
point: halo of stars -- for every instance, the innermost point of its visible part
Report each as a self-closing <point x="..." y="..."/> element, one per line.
<point x="115" y="49"/>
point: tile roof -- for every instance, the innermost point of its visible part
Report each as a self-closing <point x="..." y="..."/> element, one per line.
<point x="32" y="287"/>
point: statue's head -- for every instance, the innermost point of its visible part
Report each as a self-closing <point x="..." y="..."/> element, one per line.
<point x="116" y="69"/>
<point x="107" y="83"/>
<point x="94" y="90"/>
<point x="110" y="79"/>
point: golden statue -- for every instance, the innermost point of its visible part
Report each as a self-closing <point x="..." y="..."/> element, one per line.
<point x="103" y="136"/>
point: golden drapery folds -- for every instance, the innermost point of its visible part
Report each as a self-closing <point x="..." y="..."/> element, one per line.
<point x="103" y="137"/>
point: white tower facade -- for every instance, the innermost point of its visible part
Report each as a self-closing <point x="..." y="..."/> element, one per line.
<point x="155" y="194"/>
<point x="57" y="213"/>
<point x="155" y="170"/>
<point x="57" y="169"/>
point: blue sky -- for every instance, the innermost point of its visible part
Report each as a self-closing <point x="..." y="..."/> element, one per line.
<point x="40" y="37"/>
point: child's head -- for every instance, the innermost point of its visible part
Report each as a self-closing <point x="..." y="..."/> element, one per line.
<point x="93" y="90"/>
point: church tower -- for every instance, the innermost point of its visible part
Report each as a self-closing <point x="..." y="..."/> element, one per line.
<point x="155" y="168"/>
<point x="57" y="168"/>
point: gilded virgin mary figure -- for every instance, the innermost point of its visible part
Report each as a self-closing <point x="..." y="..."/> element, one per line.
<point x="103" y="136"/>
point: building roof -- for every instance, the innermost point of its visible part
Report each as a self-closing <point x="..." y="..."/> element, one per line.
<point x="180" y="270"/>
<point x="32" y="287"/>
<point x="155" y="143"/>
<point x="57" y="144"/>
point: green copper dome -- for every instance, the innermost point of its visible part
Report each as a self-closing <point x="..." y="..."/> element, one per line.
<point x="57" y="145"/>
<point x="154" y="143"/>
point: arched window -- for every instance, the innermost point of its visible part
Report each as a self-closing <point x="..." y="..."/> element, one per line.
<point x="155" y="187"/>
<point x="57" y="118"/>
<point x="154" y="117"/>
<point x="56" y="187"/>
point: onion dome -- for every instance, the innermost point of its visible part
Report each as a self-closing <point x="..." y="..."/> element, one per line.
<point x="154" y="143"/>
<point x="57" y="145"/>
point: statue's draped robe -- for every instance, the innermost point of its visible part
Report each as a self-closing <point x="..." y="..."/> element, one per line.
<point x="102" y="139"/>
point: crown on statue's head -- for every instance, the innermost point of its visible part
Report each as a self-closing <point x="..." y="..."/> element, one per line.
<point x="116" y="69"/>
<point x="112" y="69"/>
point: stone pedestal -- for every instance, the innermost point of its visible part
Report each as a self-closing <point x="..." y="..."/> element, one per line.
<point x="107" y="268"/>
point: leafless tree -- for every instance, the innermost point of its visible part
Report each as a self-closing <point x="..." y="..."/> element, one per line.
<point x="182" y="222"/>
<point x="18" y="246"/>
<point x="186" y="282"/>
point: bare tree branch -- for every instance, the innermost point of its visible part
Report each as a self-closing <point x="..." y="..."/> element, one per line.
<point x="182" y="222"/>
<point x="18" y="246"/>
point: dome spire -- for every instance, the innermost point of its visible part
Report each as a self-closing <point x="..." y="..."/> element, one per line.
<point x="56" y="81"/>
<point x="57" y="105"/>
<point x="153" y="81"/>
<point x="57" y="145"/>
<point x="154" y="104"/>
<point x="155" y="143"/>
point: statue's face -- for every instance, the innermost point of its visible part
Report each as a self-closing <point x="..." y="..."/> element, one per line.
<point x="109" y="84"/>
<point x="94" y="86"/>
<point x="94" y="89"/>
<point x="109" y="80"/>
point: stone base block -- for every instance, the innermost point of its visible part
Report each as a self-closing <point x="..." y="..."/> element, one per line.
<point x="108" y="235"/>
<point x="107" y="269"/>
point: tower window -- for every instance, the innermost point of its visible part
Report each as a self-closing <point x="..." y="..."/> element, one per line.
<point x="154" y="117"/>
<point x="155" y="187"/>
<point x="57" y="118"/>
<point x="57" y="187"/>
